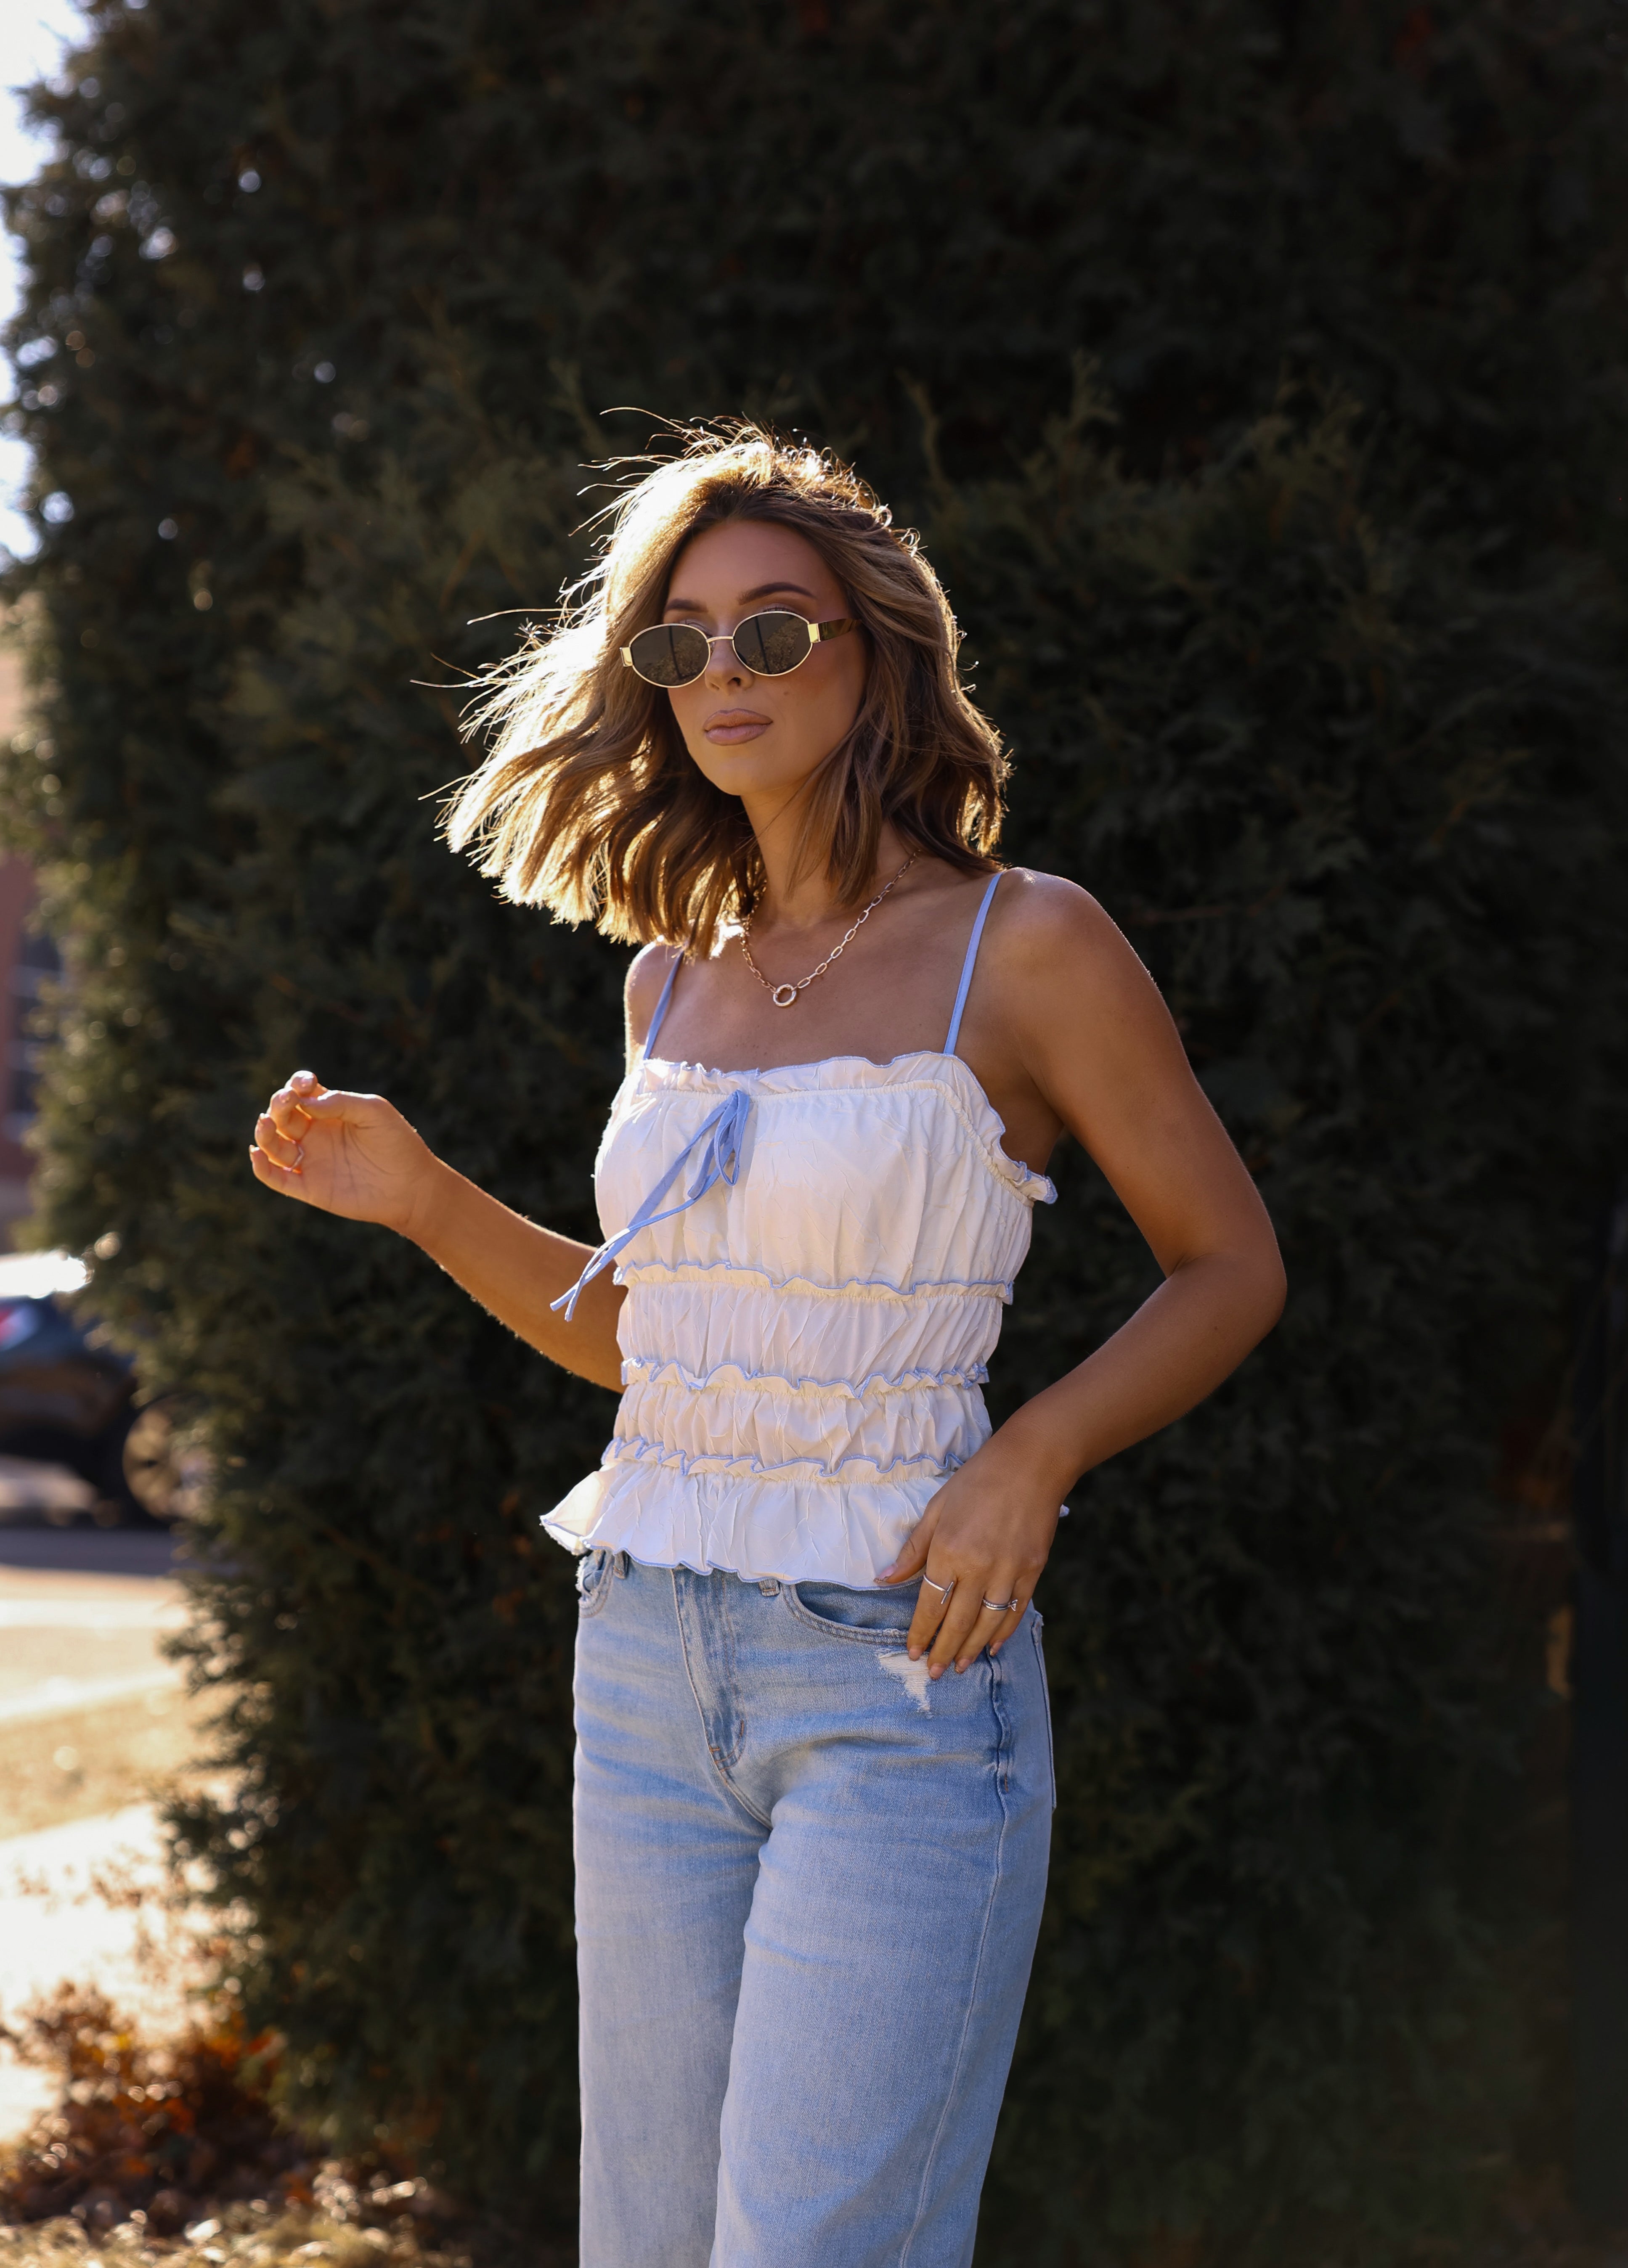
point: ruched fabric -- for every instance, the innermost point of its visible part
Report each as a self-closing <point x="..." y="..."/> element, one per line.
<point x="803" y="1342"/>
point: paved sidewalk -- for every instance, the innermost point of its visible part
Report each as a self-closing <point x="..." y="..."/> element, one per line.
<point x="90" y="1711"/>
<point x="70" y="1641"/>
<point x="84" y="1905"/>
<point x="92" y="1718"/>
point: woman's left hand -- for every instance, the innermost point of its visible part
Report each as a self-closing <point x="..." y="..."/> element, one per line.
<point x="986" y="1536"/>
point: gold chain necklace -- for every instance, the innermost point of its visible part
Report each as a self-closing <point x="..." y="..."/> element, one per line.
<point x="785" y="996"/>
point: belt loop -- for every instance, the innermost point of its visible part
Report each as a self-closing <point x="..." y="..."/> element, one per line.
<point x="621" y="1562"/>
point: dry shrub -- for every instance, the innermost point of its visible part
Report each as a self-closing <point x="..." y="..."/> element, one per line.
<point x="159" y="2139"/>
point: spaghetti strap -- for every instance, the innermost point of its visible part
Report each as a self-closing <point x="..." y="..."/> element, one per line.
<point x="973" y="943"/>
<point x="661" y="1004"/>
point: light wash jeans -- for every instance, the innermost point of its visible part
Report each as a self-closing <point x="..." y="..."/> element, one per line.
<point x="809" y="1885"/>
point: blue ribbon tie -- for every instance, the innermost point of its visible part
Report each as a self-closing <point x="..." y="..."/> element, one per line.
<point x="720" y="1135"/>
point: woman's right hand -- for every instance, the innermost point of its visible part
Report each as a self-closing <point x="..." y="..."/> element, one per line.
<point x="352" y="1154"/>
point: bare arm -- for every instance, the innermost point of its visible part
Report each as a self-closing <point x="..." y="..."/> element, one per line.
<point x="1074" y="1018"/>
<point x="356" y="1156"/>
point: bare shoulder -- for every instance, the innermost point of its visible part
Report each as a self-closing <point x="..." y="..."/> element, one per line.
<point x="1069" y="1002"/>
<point x="1042" y="924"/>
<point x="647" y="973"/>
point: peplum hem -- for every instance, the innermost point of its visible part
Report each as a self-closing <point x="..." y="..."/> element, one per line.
<point x="796" y="1530"/>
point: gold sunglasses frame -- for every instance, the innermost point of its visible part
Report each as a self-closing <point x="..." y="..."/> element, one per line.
<point x="818" y="634"/>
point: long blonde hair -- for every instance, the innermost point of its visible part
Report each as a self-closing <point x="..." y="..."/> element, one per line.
<point x="588" y="802"/>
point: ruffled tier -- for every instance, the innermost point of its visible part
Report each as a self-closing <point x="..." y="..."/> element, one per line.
<point x="949" y="1078"/>
<point x="801" y="1530"/>
<point x="757" y="1425"/>
<point x="697" y="1331"/>
<point x="867" y="1179"/>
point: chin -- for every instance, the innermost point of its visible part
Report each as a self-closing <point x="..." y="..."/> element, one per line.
<point x="744" y="771"/>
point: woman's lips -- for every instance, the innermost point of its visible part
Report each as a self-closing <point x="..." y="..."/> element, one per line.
<point x="732" y="724"/>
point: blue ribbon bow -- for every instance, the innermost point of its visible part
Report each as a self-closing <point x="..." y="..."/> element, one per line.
<point x="722" y="1133"/>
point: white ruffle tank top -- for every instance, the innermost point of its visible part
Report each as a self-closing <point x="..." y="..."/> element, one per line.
<point x="815" y="1259"/>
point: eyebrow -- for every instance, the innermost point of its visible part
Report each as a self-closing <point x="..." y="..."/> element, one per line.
<point x="762" y="591"/>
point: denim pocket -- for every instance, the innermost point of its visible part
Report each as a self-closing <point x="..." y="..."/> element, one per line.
<point x="871" y="1618"/>
<point x="1045" y="1704"/>
<point x="594" y="1572"/>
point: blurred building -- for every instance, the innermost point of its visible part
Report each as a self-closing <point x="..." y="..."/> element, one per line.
<point x="25" y="960"/>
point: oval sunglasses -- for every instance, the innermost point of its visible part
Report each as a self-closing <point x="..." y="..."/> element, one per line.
<point x="770" y="645"/>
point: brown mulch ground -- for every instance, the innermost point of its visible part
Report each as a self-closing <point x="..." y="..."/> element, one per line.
<point x="154" y="2152"/>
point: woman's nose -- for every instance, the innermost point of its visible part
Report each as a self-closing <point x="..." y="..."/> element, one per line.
<point x="724" y="666"/>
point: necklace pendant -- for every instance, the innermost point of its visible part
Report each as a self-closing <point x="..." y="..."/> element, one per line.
<point x="785" y="996"/>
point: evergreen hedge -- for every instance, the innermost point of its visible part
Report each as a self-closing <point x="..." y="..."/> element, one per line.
<point x="1257" y="377"/>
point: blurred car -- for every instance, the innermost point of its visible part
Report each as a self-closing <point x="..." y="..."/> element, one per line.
<point x="66" y="1401"/>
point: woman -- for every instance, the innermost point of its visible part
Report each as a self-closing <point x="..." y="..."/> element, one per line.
<point x="814" y="1779"/>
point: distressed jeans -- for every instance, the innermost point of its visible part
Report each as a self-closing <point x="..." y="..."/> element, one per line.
<point x="809" y="1885"/>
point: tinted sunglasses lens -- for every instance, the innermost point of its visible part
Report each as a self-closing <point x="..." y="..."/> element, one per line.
<point x="672" y="653"/>
<point x="770" y="644"/>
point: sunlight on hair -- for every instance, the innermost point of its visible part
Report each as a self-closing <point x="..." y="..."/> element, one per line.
<point x="587" y="802"/>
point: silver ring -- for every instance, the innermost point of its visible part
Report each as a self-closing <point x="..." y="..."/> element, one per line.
<point x="1005" y="1606"/>
<point x="946" y="1588"/>
<point x="300" y="1155"/>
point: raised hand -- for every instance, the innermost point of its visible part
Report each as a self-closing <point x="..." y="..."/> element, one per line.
<point x="350" y="1154"/>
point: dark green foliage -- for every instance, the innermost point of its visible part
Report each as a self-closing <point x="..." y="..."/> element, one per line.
<point x="1337" y="791"/>
<point x="1318" y="706"/>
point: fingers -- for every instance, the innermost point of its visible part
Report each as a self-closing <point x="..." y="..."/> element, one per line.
<point x="931" y="1601"/>
<point x="985" y="1620"/>
<point x="946" y="1614"/>
<point x="932" y="1605"/>
<point x="954" y="1640"/>
<point x="281" y="1128"/>
<point x="288" y="1150"/>
<point x="285" y="1114"/>
<point x="913" y="1559"/>
<point x="289" y="1108"/>
<point x="1013" y="1615"/>
<point x="286" y="1180"/>
<point x="957" y="1619"/>
<point x="278" y="1153"/>
<point x="294" y="1108"/>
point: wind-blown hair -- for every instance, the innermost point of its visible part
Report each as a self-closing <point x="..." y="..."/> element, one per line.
<point x="588" y="802"/>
